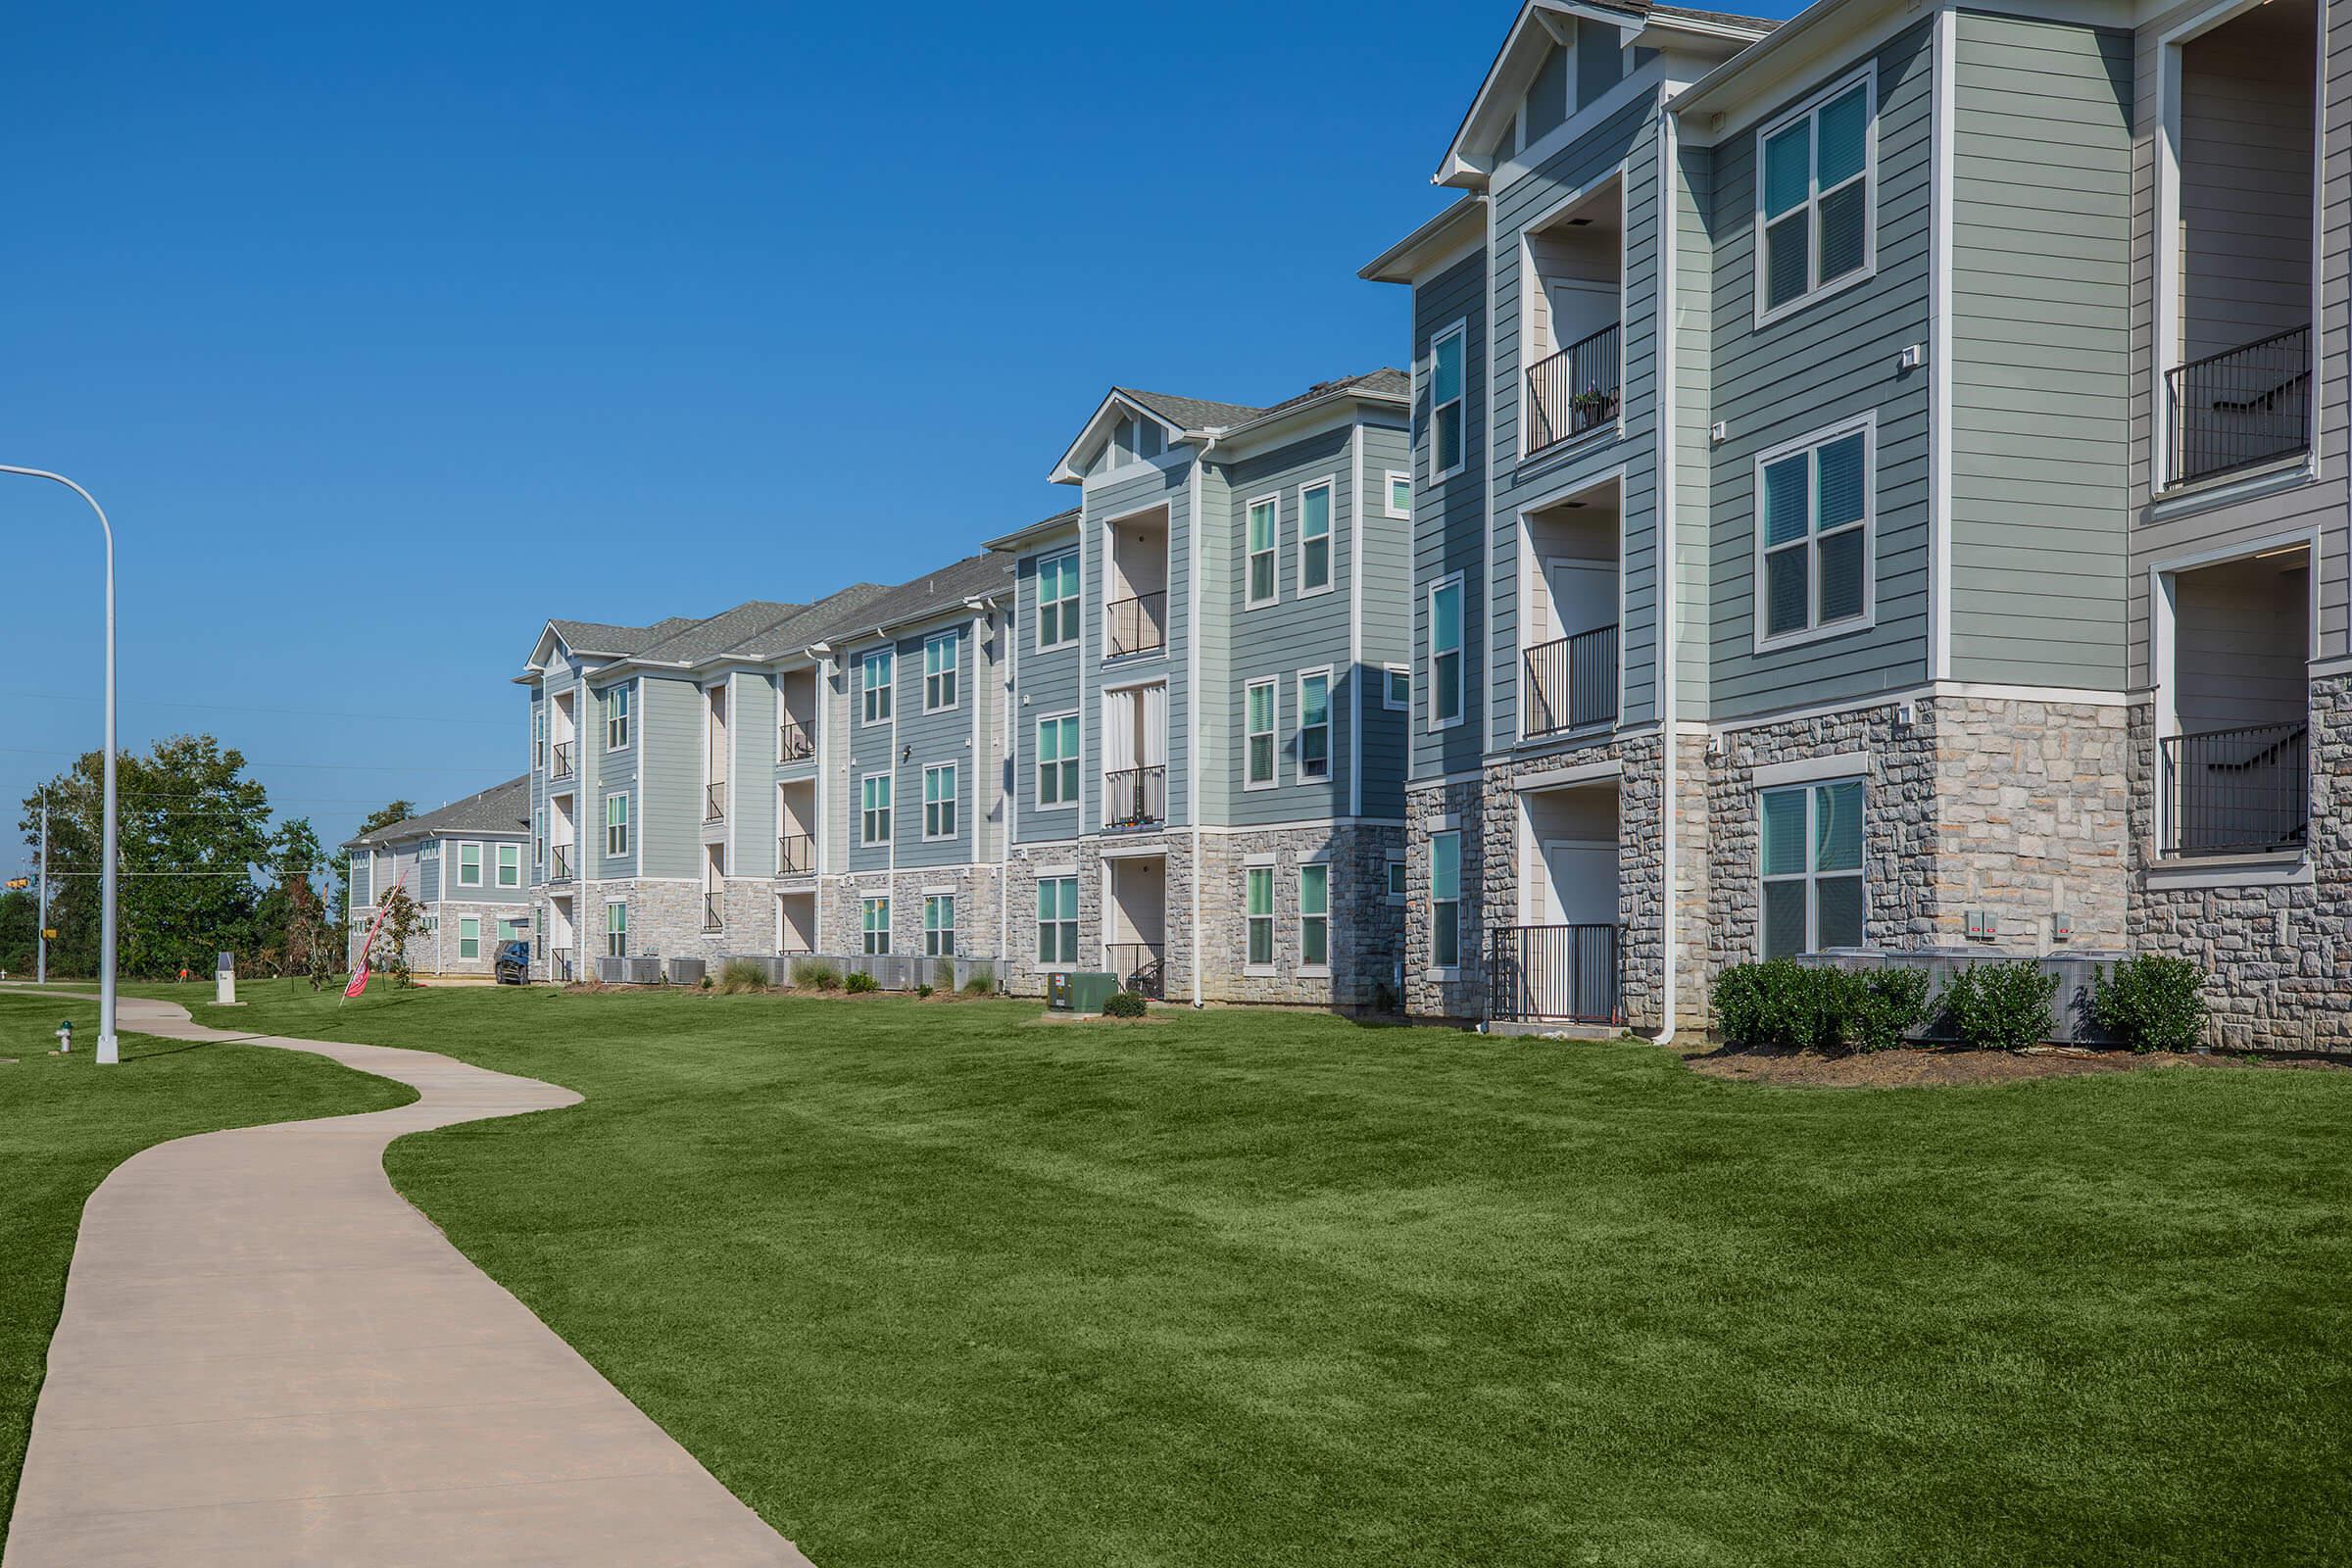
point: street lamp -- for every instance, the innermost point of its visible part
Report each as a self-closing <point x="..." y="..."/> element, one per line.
<point x="107" y="1047"/>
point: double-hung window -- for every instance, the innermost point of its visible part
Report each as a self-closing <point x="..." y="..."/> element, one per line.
<point x="939" y="925"/>
<point x="1445" y="900"/>
<point x="1314" y="916"/>
<point x="874" y="922"/>
<point x="1257" y="725"/>
<point x="469" y="936"/>
<point x="1446" y="652"/>
<point x="1314" y="538"/>
<point x="938" y="801"/>
<point x="873" y="809"/>
<point x="616" y="718"/>
<point x="1812" y="855"/>
<point x="1058" y="919"/>
<point x="1400" y="494"/>
<point x="1259" y="524"/>
<point x="469" y="865"/>
<point x="539" y="736"/>
<point x="1314" y="726"/>
<point x="1813" y="545"/>
<point x="940" y="655"/>
<point x="1448" y="435"/>
<point x="1056" y="603"/>
<point x="616" y="824"/>
<point x="1258" y="883"/>
<point x="509" y="866"/>
<point x="1813" y="199"/>
<point x="538" y="839"/>
<point x="616" y="930"/>
<point x="1058" y="760"/>
<point x="873" y="680"/>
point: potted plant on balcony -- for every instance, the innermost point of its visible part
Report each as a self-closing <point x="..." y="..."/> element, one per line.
<point x="1591" y="406"/>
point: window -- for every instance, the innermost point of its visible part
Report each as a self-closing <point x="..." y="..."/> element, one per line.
<point x="1446" y="653"/>
<point x="1314" y="916"/>
<point x="509" y="931"/>
<point x="1445" y="900"/>
<point x="939" y="802"/>
<point x="941" y="651"/>
<point x="1398" y="690"/>
<point x="874" y="921"/>
<point x="616" y="720"/>
<point x="469" y="936"/>
<point x="616" y="824"/>
<point x="1257" y="722"/>
<point x="1813" y="216"/>
<point x="1260" y="551"/>
<point x="1447" y="434"/>
<point x="1812" y="852"/>
<point x="873" y="809"/>
<point x="539" y="736"/>
<point x="939" y="925"/>
<point x="873" y="680"/>
<point x="1058" y="760"/>
<point x="469" y="865"/>
<point x="1395" y="878"/>
<point x="538" y="838"/>
<point x="1314" y="726"/>
<point x="1057" y="920"/>
<point x="616" y="930"/>
<point x="1314" y="538"/>
<point x="1400" y="494"/>
<point x="509" y="866"/>
<point x="1813" y="545"/>
<point x="1056" y="603"/>
<point x="1258" y="880"/>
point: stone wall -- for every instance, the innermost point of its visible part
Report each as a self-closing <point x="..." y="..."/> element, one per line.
<point x="1460" y="993"/>
<point x="841" y="911"/>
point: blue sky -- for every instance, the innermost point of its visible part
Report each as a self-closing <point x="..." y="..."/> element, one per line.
<point x="385" y="333"/>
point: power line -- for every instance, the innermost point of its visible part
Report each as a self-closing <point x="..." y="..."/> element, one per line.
<point x="350" y="767"/>
<point x="291" y="712"/>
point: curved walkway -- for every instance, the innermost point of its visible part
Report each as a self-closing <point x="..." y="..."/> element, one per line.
<point x="267" y="1357"/>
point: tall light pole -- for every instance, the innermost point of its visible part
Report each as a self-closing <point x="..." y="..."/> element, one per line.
<point x="108" y="1050"/>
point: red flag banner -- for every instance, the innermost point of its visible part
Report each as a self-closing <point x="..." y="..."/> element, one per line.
<point x="359" y="981"/>
<point x="359" y="974"/>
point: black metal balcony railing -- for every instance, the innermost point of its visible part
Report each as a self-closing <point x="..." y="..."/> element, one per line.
<point x="1139" y="967"/>
<point x="562" y="964"/>
<point x="715" y="802"/>
<point x="561" y="767"/>
<point x="2245" y="406"/>
<point x="2236" y="791"/>
<point x="1136" y="796"/>
<point x="1574" y="391"/>
<point x="559" y="864"/>
<point x="714" y="910"/>
<point x="1137" y="625"/>
<point x="795" y="854"/>
<point x="1554" y="974"/>
<point x="1570" y="683"/>
<point x="794" y="743"/>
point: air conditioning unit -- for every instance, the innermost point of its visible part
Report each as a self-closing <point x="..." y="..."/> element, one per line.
<point x="686" y="971"/>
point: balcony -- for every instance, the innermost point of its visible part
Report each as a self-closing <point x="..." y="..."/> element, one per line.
<point x="1140" y="966"/>
<point x="2242" y="408"/>
<point x="1554" y="974"/>
<point x="1574" y="391"/>
<point x="1136" y="798"/>
<point x="562" y="765"/>
<point x="795" y="854"/>
<point x="559" y="864"/>
<point x="1137" y="625"/>
<point x="1570" y="683"/>
<point x="2241" y="791"/>
<point x="794" y="743"/>
<point x="715" y="802"/>
<point x="714" y="912"/>
<point x="564" y="964"/>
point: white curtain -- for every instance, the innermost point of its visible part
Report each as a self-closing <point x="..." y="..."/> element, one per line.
<point x="1155" y="726"/>
<point x="1118" y="732"/>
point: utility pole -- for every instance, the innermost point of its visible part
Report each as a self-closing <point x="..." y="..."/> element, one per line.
<point x="42" y="969"/>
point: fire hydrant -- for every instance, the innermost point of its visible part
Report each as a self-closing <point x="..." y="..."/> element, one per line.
<point x="65" y="1037"/>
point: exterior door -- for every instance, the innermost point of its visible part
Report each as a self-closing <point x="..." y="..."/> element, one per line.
<point x="1584" y="594"/>
<point x="1579" y="882"/>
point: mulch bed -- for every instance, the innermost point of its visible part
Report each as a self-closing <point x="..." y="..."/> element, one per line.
<point x="1937" y="1066"/>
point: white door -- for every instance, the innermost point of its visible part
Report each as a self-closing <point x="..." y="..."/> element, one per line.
<point x="1584" y="594"/>
<point x="1579" y="882"/>
<point x="1580" y="306"/>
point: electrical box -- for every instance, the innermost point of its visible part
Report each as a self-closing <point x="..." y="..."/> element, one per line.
<point x="1982" y="926"/>
<point x="1082" y="992"/>
<point x="2062" y="926"/>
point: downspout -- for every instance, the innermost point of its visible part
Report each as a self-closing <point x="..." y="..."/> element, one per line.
<point x="1007" y="779"/>
<point x="1668" y="576"/>
<point x="1192" y="695"/>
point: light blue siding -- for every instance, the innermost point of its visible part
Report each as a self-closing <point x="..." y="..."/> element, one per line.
<point x="1449" y="515"/>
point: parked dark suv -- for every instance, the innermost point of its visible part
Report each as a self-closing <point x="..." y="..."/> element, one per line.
<point x="512" y="966"/>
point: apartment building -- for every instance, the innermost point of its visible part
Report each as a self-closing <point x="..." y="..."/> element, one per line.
<point x="1879" y="482"/>
<point x="465" y="866"/>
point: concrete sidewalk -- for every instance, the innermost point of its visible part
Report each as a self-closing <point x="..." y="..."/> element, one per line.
<point x="267" y="1357"/>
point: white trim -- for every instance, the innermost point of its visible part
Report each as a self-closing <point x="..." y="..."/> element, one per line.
<point x="1811" y="770"/>
<point x="1920" y="693"/>
<point x="499" y="872"/>
<point x="1036" y="592"/>
<point x="1258" y="858"/>
<point x="1531" y="284"/>
<point x="1273" y="779"/>
<point x="1306" y="970"/>
<point x="1130" y="850"/>
<point x="1765" y="642"/>
<point x="1811" y="875"/>
<point x="866" y="659"/>
<point x="1331" y="539"/>
<point x="1552" y="778"/>
<point x="2290" y="868"/>
<point x="1766" y="315"/>
<point x="955" y="802"/>
<point x="1272" y="501"/>
<point x="1356" y="621"/>
<point x="1299" y="725"/>
<point x="1395" y="860"/>
<point x="1943" y="174"/>
<point x="1036" y="796"/>
<point x="1667" y="572"/>
<point x="2252" y="484"/>
<point x="1047" y="874"/>
<point x="953" y="636"/>
<point x="1459" y="327"/>
<point x="1388" y="493"/>
<point x="1461" y="652"/>
<point x="1388" y="699"/>
<point x="481" y="869"/>
<point x="889" y="812"/>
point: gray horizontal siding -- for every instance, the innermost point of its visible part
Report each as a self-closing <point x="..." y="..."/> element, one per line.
<point x="1449" y="517"/>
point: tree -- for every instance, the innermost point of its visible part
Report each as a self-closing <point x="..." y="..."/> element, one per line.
<point x="383" y="816"/>
<point x="402" y="923"/>
<point x="295" y="860"/>
<point x="19" y="931"/>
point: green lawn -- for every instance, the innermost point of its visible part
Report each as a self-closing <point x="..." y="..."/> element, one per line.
<point x="934" y="1284"/>
<point x="63" y="1124"/>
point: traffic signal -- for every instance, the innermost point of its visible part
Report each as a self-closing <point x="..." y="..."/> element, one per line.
<point x="17" y="884"/>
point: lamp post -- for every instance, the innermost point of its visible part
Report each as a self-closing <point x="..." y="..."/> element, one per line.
<point x="106" y="881"/>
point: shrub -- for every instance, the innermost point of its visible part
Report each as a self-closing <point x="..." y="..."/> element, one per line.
<point x="925" y="989"/>
<point x="979" y="985"/>
<point x="739" y="975"/>
<point x="2000" y="1007"/>
<point x="1124" y="1005"/>
<point x="859" y="982"/>
<point x="708" y="982"/>
<point x="2151" y="1002"/>
<point x="1779" y="1004"/>
<point x="943" y="975"/>
<point x="816" y="976"/>
<point x="1883" y="1005"/>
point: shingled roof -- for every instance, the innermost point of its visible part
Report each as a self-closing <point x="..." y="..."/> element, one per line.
<point x="972" y="578"/>
<point x="504" y="808"/>
<point x="1200" y="414"/>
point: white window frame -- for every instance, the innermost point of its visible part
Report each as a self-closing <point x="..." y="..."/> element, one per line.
<point x="625" y="826"/>
<point x="868" y="933"/>
<point x="1253" y="924"/>
<point x="949" y="677"/>
<point x="1067" y="763"/>
<point x="1811" y="876"/>
<point x="1329" y="726"/>
<point x="873" y="712"/>
<point x="1766" y="315"/>
<point x="1306" y="965"/>
<point x="621" y="931"/>
<point x="475" y="941"/>
<point x="504" y="851"/>
<point x="624" y="721"/>
<point x="1461" y="652"/>
<point x="538" y="839"/>
<point x="539" y="735"/>
<point x="476" y="880"/>
<point x="1394" y="882"/>
<point x="1065" y="615"/>
<point x="1070" y="882"/>
<point x="868" y="812"/>
<point x="1867" y="425"/>
<point x="1331" y="539"/>
<point x="1440" y="965"/>
<point x="1388" y="498"/>
<point x="1390" y="675"/>
<point x="948" y="800"/>
<point x="1272" y="733"/>
<point x="1272" y="552"/>
<point x="1436" y="340"/>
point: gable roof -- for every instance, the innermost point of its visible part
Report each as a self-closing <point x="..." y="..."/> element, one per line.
<point x="934" y="591"/>
<point x="1190" y="414"/>
<point x="697" y="640"/>
<point x="1193" y="416"/>
<point x="501" y="809"/>
<point x="813" y="624"/>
